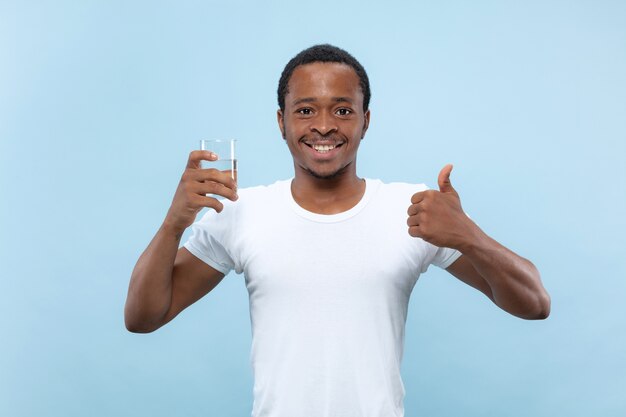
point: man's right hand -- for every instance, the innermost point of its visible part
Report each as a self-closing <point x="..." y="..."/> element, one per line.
<point x="195" y="184"/>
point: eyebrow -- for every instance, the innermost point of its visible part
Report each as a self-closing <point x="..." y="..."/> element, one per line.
<point x="312" y="100"/>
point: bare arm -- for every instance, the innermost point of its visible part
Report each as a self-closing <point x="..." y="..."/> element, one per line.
<point x="510" y="281"/>
<point x="166" y="279"/>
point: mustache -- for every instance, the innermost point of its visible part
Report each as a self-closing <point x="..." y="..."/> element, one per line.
<point x="315" y="138"/>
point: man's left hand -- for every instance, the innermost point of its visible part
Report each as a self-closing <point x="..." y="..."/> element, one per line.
<point x="437" y="216"/>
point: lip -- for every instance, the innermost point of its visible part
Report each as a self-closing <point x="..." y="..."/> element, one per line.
<point x="322" y="155"/>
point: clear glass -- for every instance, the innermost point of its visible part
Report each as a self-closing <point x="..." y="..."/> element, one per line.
<point x="226" y="157"/>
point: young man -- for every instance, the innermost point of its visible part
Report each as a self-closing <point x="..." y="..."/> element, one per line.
<point x="330" y="259"/>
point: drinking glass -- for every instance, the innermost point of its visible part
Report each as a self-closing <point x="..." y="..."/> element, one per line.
<point x="225" y="151"/>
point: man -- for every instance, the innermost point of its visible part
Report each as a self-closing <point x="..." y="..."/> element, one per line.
<point x="330" y="259"/>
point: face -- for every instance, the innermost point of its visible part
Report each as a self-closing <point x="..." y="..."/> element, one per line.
<point x="323" y="121"/>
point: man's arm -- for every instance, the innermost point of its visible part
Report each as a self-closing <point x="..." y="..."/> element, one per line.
<point x="510" y="281"/>
<point x="166" y="279"/>
<point x="163" y="285"/>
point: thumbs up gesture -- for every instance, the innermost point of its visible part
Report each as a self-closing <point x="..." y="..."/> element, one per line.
<point x="437" y="216"/>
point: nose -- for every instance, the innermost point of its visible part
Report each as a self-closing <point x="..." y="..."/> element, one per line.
<point x="324" y="124"/>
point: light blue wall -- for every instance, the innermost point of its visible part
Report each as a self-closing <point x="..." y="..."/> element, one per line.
<point x="100" y="103"/>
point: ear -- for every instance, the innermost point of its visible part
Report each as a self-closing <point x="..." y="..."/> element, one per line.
<point x="281" y="122"/>
<point x="366" y="123"/>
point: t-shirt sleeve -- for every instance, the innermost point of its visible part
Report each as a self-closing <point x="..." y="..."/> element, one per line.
<point x="209" y="240"/>
<point x="444" y="257"/>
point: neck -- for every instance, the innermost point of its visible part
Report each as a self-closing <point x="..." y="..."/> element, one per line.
<point x="327" y="195"/>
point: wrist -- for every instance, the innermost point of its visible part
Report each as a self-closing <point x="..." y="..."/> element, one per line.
<point x="172" y="229"/>
<point x="473" y="239"/>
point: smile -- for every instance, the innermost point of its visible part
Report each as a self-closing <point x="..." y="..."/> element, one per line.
<point x="323" y="148"/>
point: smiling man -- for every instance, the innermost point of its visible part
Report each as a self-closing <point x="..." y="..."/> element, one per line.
<point x="323" y="119"/>
<point x="330" y="259"/>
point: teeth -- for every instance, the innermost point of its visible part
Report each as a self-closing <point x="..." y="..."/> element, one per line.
<point x="323" y="148"/>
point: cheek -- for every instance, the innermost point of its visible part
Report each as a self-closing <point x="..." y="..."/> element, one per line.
<point x="287" y="128"/>
<point x="294" y="130"/>
<point x="293" y="147"/>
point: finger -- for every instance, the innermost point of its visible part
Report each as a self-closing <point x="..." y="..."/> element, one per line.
<point x="415" y="231"/>
<point x="445" y="186"/>
<point x="413" y="221"/>
<point x="443" y="180"/>
<point x="413" y="209"/>
<point x="215" y="188"/>
<point x="210" y="202"/>
<point x="196" y="156"/>
<point x="418" y="197"/>
<point x="211" y="174"/>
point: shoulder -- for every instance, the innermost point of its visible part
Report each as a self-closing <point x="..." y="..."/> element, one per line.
<point x="252" y="202"/>
<point x="393" y="198"/>
<point x="259" y="190"/>
<point x="397" y="189"/>
<point x="259" y="194"/>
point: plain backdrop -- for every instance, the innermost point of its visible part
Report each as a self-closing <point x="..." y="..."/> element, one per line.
<point x="101" y="102"/>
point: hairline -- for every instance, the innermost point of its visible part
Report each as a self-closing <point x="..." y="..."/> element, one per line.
<point x="338" y="99"/>
<point x="326" y="54"/>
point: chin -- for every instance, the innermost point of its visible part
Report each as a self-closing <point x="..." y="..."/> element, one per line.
<point x="326" y="175"/>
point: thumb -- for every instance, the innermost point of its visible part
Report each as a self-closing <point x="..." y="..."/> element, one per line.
<point x="445" y="186"/>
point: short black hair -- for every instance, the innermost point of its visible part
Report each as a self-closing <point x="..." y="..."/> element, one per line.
<point x="323" y="53"/>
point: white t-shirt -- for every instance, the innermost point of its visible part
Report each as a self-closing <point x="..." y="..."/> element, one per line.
<point x="328" y="296"/>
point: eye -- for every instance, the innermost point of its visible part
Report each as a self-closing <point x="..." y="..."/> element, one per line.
<point x="343" y="111"/>
<point x="304" y="111"/>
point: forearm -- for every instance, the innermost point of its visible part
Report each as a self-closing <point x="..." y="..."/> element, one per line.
<point x="150" y="288"/>
<point x="514" y="281"/>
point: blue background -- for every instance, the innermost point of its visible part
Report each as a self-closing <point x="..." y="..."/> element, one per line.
<point x="100" y="103"/>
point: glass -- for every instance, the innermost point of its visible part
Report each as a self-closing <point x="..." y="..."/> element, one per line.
<point x="225" y="151"/>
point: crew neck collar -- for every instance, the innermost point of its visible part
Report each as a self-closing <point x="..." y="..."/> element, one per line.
<point x="370" y="187"/>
